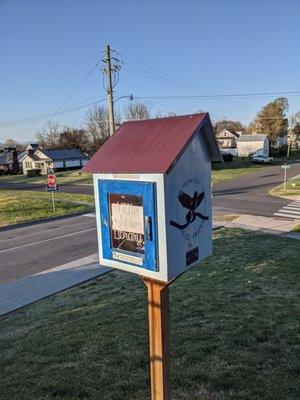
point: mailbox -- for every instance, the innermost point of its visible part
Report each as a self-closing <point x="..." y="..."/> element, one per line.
<point x="152" y="183"/>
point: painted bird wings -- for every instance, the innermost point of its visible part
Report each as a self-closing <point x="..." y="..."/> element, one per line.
<point x="185" y="200"/>
<point x="199" y="198"/>
<point x="189" y="202"/>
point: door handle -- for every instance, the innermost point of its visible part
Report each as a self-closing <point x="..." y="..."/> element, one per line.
<point x="148" y="228"/>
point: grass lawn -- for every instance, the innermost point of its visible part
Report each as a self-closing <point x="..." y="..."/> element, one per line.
<point x="63" y="178"/>
<point x="221" y="172"/>
<point x="296" y="229"/>
<point x="234" y="326"/>
<point x="292" y="189"/>
<point x="231" y="170"/>
<point x="19" y="205"/>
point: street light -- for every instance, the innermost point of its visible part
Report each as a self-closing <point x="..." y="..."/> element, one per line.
<point x="130" y="97"/>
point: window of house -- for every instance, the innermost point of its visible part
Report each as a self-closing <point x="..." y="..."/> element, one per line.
<point x="28" y="165"/>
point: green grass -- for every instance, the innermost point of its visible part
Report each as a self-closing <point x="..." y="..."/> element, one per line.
<point x="231" y="170"/>
<point x="296" y="229"/>
<point x="292" y="189"/>
<point x="63" y="178"/>
<point x="234" y="327"/>
<point x="221" y="172"/>
<point x="20" y="206"/>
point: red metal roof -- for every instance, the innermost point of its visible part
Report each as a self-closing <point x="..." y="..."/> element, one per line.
<point x="146" y="146"/>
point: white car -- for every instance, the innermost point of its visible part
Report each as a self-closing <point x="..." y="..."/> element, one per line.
<point x="262" y="159"/>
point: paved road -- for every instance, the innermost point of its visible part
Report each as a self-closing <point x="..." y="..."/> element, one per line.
<point x="249" y="194"/>
<point x="35" y="248"/>
<point x="27" y="250"/>
<point x="81" y="189"/>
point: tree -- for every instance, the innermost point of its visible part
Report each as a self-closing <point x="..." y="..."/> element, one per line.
<point x="160" y="114"/>
<point x="272" y="120"/>
<point x="97" y="128"/>
<point x="228" y="124"/>
<point x="137" y="110"/>
<point x="72" y="138"/>
<point x="14" y="144"/>
<point x="49" y="136"/>
<point x="294" y="123"/>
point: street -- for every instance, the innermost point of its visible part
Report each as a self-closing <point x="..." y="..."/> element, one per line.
<point x="38" y="247"/>
<point x="250" y="194"/>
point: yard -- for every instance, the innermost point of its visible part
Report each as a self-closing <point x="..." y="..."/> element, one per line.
<point x="74" y="177"/>
<point x="234" y="327"/>
<point x="292" y="189"/>
<point x="221" y="172"/>
<point x="19" y="205"/>
<point x="231" y="170"/>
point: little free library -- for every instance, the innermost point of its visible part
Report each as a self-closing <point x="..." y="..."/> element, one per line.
<point x="152" y="183"/>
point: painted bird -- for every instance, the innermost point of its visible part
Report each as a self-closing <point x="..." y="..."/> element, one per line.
<point x="191" y="203"/>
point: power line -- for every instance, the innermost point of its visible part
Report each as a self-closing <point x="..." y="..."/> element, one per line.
<point x="187" y="85"/>
<point x="297" y="93"/>
<point x="75" y="89"/>
<point x="41" y="116"/>
<point x="169" y="76"/>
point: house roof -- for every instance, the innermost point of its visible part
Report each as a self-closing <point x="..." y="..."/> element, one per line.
<point x="153" y="145"/>
<point x="32" y="146"/>
<point x="6" y="156"/>
<point x="21" y="156"/>
<point x="66" y="154"/>
<point x="235" y="133"/>
<point x="252" y="138"/>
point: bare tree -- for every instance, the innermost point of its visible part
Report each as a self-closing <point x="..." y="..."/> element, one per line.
<point x="228" y="124"/>
<point x="97" y="128"/>
<point x="72" y="138"/>
<point x="14" y="144"/>
<point x="49" y="136"/>
<point x="137" y="110"/>
<point x="160" y="114"/>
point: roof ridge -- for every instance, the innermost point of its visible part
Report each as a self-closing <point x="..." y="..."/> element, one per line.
<point x="160" y="118"/>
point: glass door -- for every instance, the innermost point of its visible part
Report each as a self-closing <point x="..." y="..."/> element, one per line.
<point x="128" y="222"/>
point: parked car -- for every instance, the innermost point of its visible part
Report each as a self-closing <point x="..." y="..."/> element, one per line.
<point x="261" y="159"/>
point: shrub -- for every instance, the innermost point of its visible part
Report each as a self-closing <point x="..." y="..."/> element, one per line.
<point x="227" y="157"/>
<point x="279" y="151"/>
<point x="33" y="172"/>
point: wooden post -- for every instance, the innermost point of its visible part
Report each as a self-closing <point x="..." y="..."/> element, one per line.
<point x="159" y="338"/>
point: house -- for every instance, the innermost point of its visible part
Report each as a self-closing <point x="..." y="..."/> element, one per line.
<point x="56" y="160"/>
<point x="9" y="161"/>
<point x="281" y="141"/>
<point x="227" y="138"/>
<point x="248" y="145"/>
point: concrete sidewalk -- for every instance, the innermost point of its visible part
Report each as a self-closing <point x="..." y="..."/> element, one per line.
<point x="274" y="226"/>
<point x="16" y="294"/>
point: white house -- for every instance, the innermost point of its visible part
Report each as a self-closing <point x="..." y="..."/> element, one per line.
<point x="227" y="139"/>
<point x="57" y="160"/>
<point x="252" y="144"/>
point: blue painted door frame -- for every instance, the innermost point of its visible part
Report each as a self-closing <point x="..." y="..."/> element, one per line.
<point x="145" y="190"/>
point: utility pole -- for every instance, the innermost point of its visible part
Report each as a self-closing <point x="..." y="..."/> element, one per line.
<point x="289" y="136"/>
<point x="109" y="92"/>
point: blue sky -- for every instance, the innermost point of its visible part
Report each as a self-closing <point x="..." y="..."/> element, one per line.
<point x="229" y="46"/>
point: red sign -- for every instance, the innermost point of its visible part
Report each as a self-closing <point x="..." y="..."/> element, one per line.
<point x="51" y="180"/>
